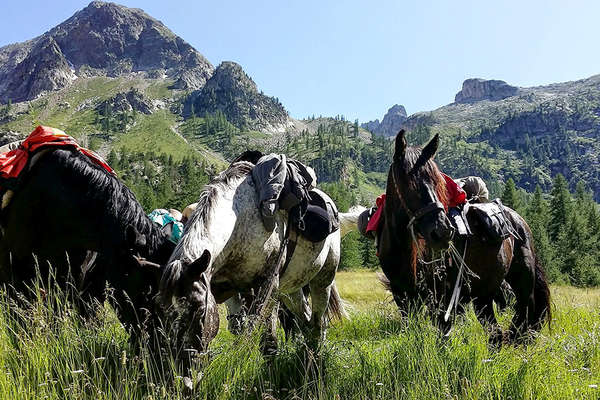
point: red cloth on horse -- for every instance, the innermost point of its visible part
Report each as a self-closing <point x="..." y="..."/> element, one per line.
<point x="374" y="220"/>
<point x="13" y="162"/>
<point x="456" y="197"/>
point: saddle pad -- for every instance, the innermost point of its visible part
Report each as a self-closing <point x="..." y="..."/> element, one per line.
<point x="13" y="162"/>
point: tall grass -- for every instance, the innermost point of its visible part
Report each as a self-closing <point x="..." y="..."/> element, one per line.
<point x="48" y="351"/>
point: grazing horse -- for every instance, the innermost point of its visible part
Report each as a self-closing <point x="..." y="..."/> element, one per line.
<point x="71" y="214"/>
<point x="415" y="234"/>
<point x="226" y="251"/>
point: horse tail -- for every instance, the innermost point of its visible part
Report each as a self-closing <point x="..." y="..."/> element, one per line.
<point x="385" y="282"/>
<point x="541" y="293"/>
<point x="349" y="220"/>
<point x="336" y="308"/>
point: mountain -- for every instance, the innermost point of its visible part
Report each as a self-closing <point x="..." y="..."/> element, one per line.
<point x="231" y="91"/>
<point x="121" y="79"/>
<point x="481" y="89"/>
<point x="122" y="83"/>
<point x="391" y="123"/>
<point x="102" y="39"/>
<point x="529" y="134"/>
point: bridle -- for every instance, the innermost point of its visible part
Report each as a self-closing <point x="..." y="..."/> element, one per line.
<point x="434" y="205"/>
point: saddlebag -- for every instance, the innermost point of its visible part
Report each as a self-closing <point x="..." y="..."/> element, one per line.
<point x="491" y="219"/>
<point x="321" y="219"/>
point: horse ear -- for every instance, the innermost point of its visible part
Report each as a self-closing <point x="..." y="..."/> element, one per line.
<point x="401" y="144"/>
<point x="168" y="229"/>
<point x="199" y="266"/>
<point x="431" y="148"/>
<point x="134" y="238"/>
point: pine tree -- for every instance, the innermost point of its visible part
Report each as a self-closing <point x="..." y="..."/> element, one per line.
<point x="560" y="206"/>
<point x="510" y="198"/>
<point x="350" y="256"/>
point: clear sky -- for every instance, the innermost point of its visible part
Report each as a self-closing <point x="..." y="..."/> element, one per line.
<point x="358" y="58"/>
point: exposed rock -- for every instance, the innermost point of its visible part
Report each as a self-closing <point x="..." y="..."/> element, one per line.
<point x="391" y="123"/>
<point x="233" y="92"/>
<point x="481" y="89"/>
<point x="44" y="69"/>
<point x="371" y="126"/>
<point x="102" y="39"/>
<point x="127" y="102"/>
<point x="9" y="137"/>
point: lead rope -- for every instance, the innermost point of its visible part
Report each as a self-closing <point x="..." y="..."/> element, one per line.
<point x="457" y="286"/>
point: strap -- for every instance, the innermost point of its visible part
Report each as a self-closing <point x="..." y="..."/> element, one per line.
<point x="292" y="240"/>
<point x="273" y="274"/>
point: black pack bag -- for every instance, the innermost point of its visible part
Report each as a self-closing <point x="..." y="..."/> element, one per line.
<point x="491" y="219"/>
<point x="320" y="220"/>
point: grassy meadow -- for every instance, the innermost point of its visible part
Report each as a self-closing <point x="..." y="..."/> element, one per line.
<point x="48" y="352"/>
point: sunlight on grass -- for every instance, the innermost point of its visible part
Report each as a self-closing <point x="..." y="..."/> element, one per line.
<point x="48" y="351"/>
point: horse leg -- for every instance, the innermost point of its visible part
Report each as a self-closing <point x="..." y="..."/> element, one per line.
<point x="484" y="309"/>
<point x="297" y="312"/>
<point x="320" y="291"/>
<point x="269" y="338"/>
<point x="236" y="314"/>
<point x="521" y="278"/>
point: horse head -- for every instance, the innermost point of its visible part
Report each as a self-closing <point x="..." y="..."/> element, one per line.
<point x="421" y="190"/>
<point x="189" y="285"/>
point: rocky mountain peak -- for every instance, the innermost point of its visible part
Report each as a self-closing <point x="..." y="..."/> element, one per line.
<point x="230" y="76"/>
<point x="101" y="39"/>
<point x="390" y="124"/>
<point x="231" y="91"/>
<point x="476" y="89"/>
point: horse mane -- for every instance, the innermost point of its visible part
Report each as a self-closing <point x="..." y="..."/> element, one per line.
<point x="200" y="221"/>
<point x="222" y="181"/>
<point x="119" y="204"/>
<point x="419" y="169"/>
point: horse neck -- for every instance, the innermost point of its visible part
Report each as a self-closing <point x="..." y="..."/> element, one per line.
<point x="209" y="229"/>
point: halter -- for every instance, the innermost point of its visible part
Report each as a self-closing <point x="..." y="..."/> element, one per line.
<point x="434" y="206"/>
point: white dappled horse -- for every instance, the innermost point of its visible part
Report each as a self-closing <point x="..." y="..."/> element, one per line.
<point x="226" y="251"/>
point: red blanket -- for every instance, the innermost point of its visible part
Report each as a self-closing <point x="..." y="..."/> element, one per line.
<point x="456" y="197"/>
<point x="13" y="162"/>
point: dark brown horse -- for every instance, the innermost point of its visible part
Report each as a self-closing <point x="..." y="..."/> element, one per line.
<point x="414" y="237"/>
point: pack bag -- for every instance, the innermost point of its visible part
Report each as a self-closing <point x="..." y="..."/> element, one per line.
<point x="476" y="189"/>
<point x="283" y="184"/>
<point x="320" y="220"/>
<point x="492" y="220"/>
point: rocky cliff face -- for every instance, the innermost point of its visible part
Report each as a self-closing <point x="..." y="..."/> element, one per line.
<point x="391" y="123"/>
<point x="480" y="89"/>
<point x="45" y="68"/>
<point x="233" y="92"/>
<point x="529" y="136"/>
<point x="102" y="39"/>
<point x="133" y="100"/>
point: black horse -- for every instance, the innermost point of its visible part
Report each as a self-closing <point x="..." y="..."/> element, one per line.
<point x="71" y="216"/>
<point x="415" y="234"/>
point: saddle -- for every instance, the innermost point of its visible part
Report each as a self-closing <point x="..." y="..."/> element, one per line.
<point x="488" y="219"/>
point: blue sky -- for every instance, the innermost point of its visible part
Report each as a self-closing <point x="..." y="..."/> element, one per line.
<point x="358" y="58"/>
